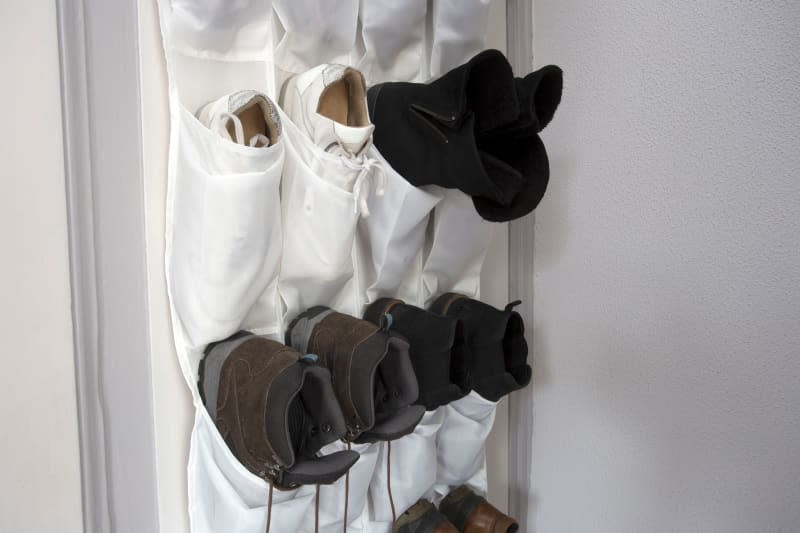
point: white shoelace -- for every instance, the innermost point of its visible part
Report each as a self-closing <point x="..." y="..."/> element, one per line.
<point x="367" y="168"/>
<point x="220" y="124"/>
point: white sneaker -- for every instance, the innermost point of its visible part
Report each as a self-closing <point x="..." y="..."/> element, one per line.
<point x="249" y="118"/>
<point x="329" y="104"/>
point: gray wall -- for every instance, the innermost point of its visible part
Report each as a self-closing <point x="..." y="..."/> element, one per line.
<point x="39" y="460"/>
<point x="667" y="273"/>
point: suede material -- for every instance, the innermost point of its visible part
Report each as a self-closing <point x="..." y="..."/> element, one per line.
<point x="438" y="351"/>
<point x="276" y="410"/>
<point x="471" y="513"/>
<point x="372" y="375"/>
<point x="496" y="339"/>
<point x="242" y="405"/>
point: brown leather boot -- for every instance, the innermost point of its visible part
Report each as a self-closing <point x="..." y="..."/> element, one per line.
<point x="423" y="517"/>
<point x="471" y="513"/>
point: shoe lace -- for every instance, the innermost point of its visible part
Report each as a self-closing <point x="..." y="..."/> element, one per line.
<point x="219" y="123"/>
<point x="369" y="170"/>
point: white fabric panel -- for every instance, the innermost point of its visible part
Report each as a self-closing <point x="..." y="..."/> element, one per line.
<point x="255" y="236"/>
<point x="319" y="221"/>
<point x="461" y="440"/>
<point x="457" y="247"/>
<point x="226" y="251"/>
<point x="220" y="29"/>
<point x="459" y="32"/>
<point x="314" y="32"/>
<point x="392" y="237"/>
<point x="393" y="35"/>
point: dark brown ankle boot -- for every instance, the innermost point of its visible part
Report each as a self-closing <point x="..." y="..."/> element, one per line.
<point x="471" y="513"/>
<point x="372" y="373"/>
<point x="423" y="517"/>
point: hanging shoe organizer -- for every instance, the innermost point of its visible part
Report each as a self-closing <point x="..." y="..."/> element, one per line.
<point x="255" y="235"/>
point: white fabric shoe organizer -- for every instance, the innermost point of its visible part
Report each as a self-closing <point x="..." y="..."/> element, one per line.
<point x="256" y="235"/>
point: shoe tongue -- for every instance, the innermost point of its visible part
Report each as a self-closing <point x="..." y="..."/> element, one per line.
<point x="328" y="134"/>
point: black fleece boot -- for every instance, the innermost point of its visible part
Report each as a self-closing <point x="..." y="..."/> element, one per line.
<point x="275" y="408"/>
<point x="518" y="143"/>
<point x="438" y="349"/>
<point x="427" y="131"/>
<point x="372" y="374"/>
<point x="496" y="340"/>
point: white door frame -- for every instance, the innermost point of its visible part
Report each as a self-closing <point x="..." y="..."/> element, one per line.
<point x="102" y="111"/>
<point x="99" y="57"/>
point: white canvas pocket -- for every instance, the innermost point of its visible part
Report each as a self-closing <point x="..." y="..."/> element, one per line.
<point x="458" y="241"/>
<point x="221" y="29"/>
<point x="462" y="438"/>
<point x="224" y="496"/>
<point x="319" y="225"/>
<point x="413" y="469"/>
<point x="392" y="237"/>
<point x="459" y="32"/>
<point x="227" y="233"/>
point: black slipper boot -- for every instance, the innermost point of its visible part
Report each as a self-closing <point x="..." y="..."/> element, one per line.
<point x="372" y="374"/>
<point x="438" y="349"/>
<point x="275" y="409"/>
<point x="427" y="131"/>
<point x="496" y="340"/>
<point x="518" y="144"/>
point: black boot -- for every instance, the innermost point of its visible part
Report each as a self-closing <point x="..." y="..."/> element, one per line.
<point x="438" y="349"/>
<point x="496" y="340"/>
<point x="372" y="374"/>
<point x="427" y="131"/>
<point x="518" y="143"/>
<point x="275" y="409"/>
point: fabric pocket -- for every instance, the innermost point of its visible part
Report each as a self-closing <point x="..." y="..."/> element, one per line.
<point x="314" y="32"/>
<point x="392" y="237"/>
<point x="353" y="491"/>
<point x="221" y="29"/>
<point x="393" y="36"/>
<point x="459" y="240"/>
<point x="462" y="438"/>
<point x="319" y="223"/>
<point x="459" y="32"/>
<point x="224" y="496"/>
<point x="412" y="471"/>
<point x="226" y="236"/>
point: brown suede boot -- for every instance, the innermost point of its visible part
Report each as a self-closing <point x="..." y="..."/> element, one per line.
<point x="471" y="513"/>
<point x="371" y="372"/>
<point x="422" y="517"/>
<point x="275" y="409"/>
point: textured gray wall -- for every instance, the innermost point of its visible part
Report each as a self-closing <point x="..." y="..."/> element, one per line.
<point x="667" y="272"/>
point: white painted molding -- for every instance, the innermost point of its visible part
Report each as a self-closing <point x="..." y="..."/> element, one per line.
<point x="99" y="57"/>
<point x="519" y="17"/>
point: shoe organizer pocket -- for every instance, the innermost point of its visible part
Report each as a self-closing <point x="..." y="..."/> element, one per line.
<point x="319" y="225"/>
<point x="391" y="238"/>
<point x="313" y="32"/>
<point x="353" y="491"/>
<point x="412" y="472"/>
<point x="459" y="32"/>
<point x="462" y="437"/>
<point x="393" y="37"/>
<point x="225" y="496"/>
<point x="459" y="240"/>
<point x="221" y="29"/>
<point x="226" y="238"/>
